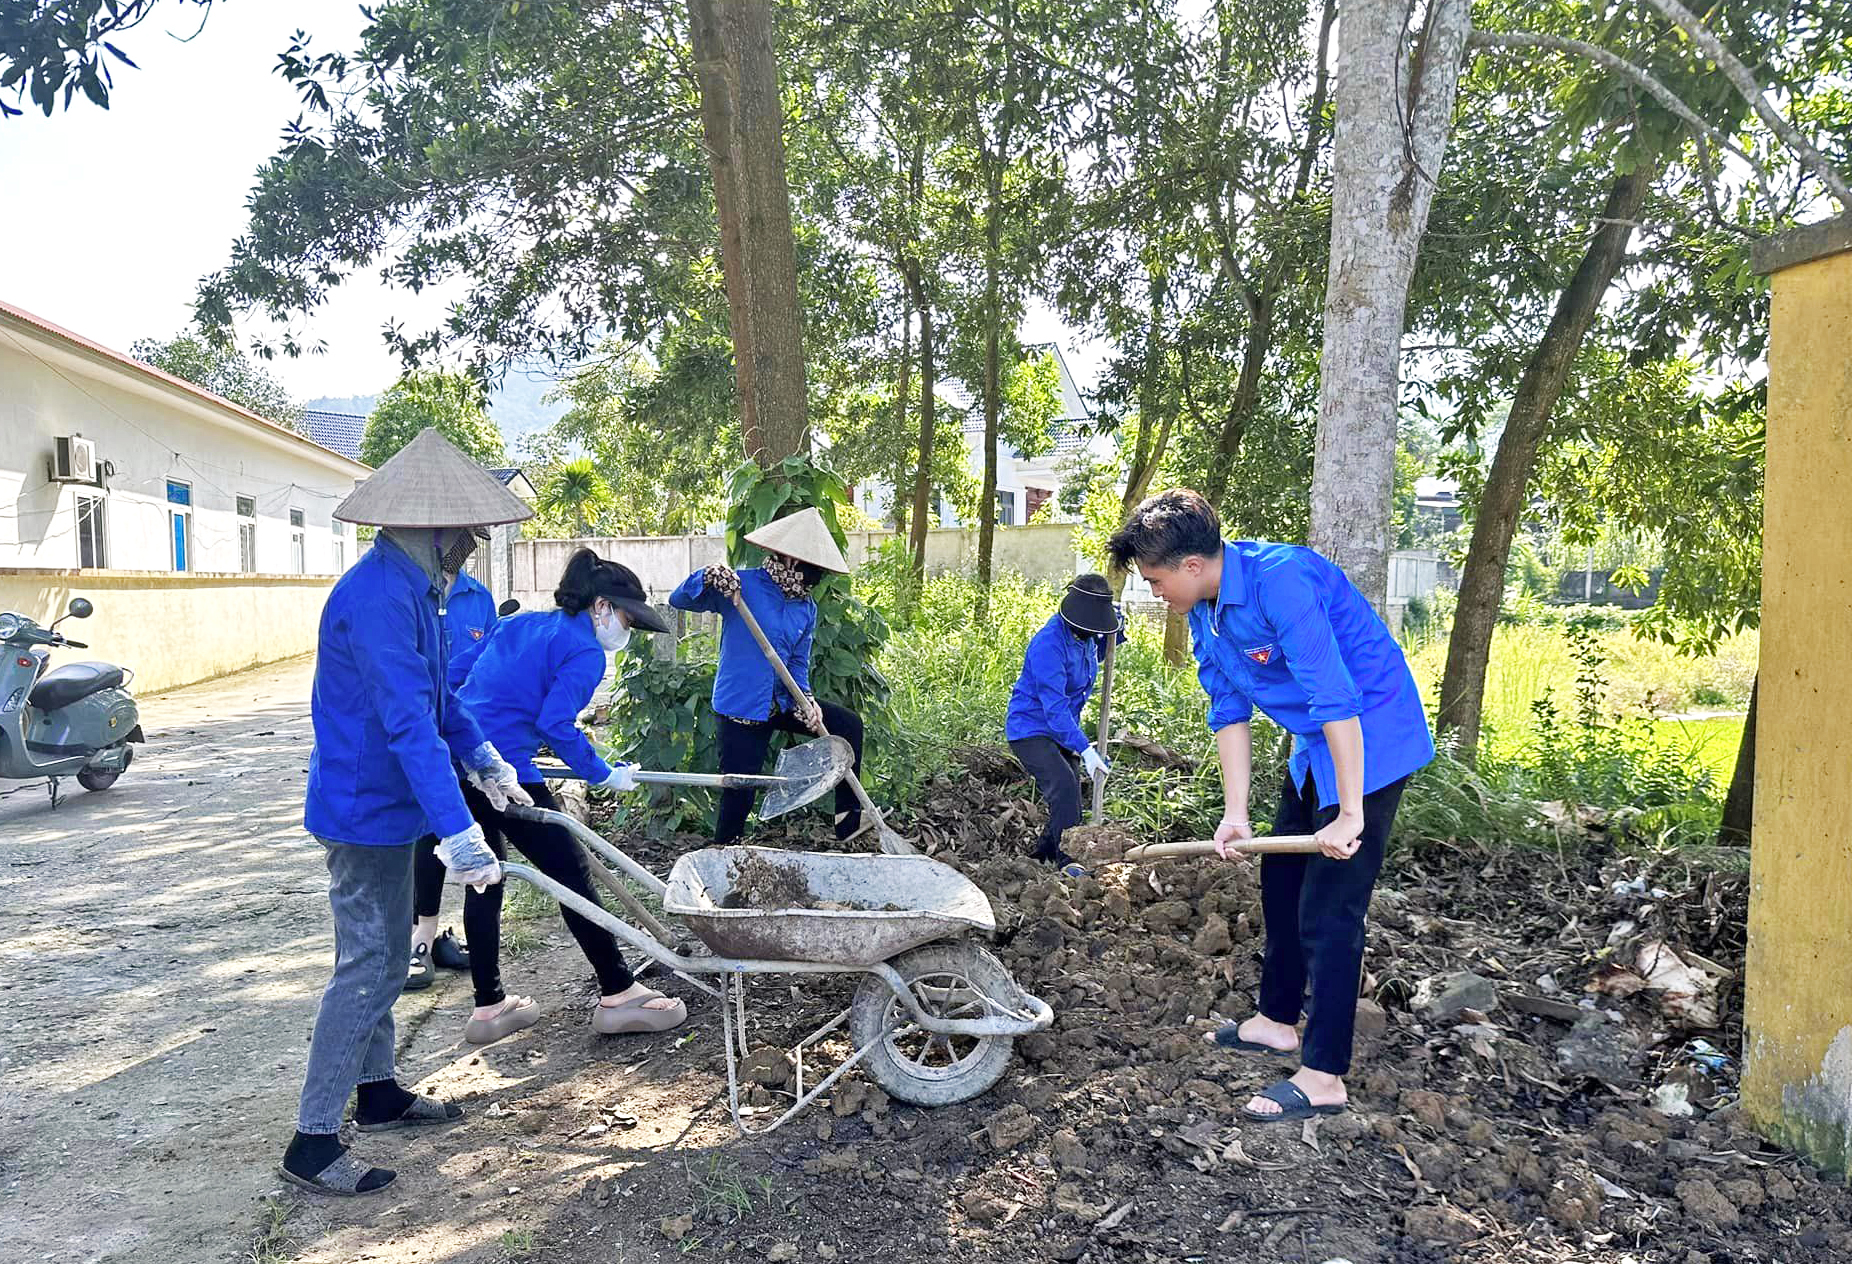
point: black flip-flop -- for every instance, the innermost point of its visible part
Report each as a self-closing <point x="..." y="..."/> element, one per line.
<point x="1294" y="1105"/>
<point x="419" y="975"/>
<point x="342" y="1178"/>
<point x="449" y="953"/>
<point x="1228" y="1036"/>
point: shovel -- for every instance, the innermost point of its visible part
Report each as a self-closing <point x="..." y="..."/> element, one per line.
<point x="891" y="843"/>
<point x="804" y="773"/>
<point x="1101" y="850"/>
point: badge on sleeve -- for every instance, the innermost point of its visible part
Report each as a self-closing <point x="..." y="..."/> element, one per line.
<point x="1262" y="654"/>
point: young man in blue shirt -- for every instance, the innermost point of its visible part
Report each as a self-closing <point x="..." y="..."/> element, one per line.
<point x="1279" y="627"/>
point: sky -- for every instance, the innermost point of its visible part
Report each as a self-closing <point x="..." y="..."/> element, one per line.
<point x="114" y="216"/>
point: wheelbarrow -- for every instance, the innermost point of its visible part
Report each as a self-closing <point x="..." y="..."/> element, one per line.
<point x="936" y="1014"/>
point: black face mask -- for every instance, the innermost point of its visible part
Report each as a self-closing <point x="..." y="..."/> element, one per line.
<point x="459" y="548"/>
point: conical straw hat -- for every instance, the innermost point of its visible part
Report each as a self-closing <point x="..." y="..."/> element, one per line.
<point x="430" y="483"/>
<point x="805" y="536"/>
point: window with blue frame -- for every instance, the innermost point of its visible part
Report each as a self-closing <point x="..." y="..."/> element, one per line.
<point x="180" y="523"/>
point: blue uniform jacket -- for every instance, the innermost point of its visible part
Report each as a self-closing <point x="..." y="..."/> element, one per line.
<point x="387" y="723"/>
<point x="745" y="687"/>
<point x="529" y="685"/>
<point x="1058" y="671"/>
<point x="470" y="620"/>
<point x="1290" y="634"/>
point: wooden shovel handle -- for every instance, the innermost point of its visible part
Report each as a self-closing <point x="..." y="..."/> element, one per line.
<point x="784" y="677"/>
<point x="1277" y="845"/>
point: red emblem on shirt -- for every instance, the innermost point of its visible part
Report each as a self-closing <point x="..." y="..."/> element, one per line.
<point x="475" y="634"/>
<point x="1262" y="654"/>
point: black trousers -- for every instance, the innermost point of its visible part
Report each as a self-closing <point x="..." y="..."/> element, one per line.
<point x="555" y="853"/>
<point x="427" y="878"/>
<point x="1057" y="774"/>
<point x="1314" y="908"/>
<point x="743" y="748"/>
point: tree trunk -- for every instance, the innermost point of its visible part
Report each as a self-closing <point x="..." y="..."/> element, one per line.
<point x="742" y="122"/>
<point x="922" y="479"/>
<point x="1739" y="804"/>
<point x="993" y="319"/>
<point x="903" y="397"/>
<point x="1176" y="638"/>
<point x="1393" y="117"/>
<point x="1501" y="503"/>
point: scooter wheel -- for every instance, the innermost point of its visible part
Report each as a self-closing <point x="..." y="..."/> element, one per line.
<point x="104" y="778"/>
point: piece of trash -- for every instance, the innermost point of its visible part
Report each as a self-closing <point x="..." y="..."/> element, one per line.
<point x="1708" y="1056"/>
<point x="1689" y="993"/>
<point x="1673" y="1101"/>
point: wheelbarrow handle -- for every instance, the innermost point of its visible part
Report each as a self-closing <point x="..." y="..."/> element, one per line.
<point x="1277" y="845"/>
<point x="716" y="780"/>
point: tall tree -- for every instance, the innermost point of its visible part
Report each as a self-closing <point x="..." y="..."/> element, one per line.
<point x="742" y="120"/>
<point x="225" y="371"/>
<point x="454" y="403"/>
<point x="1394" y="90"/>
<point x="53" y="49"/>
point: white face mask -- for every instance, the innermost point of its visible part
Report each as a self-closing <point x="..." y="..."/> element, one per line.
<point x="612" y="632"/>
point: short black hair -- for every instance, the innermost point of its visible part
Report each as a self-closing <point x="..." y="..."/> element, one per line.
<point x="1165" y="529"/>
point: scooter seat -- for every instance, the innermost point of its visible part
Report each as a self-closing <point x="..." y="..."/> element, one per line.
<point x="61" y="686"/>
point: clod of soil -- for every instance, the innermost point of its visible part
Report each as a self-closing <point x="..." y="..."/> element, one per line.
<point x="759" y="882"/>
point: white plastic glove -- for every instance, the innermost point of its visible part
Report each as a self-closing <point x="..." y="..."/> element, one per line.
<point x="1096" y="767"/>
<point x="495" y="777"/>
<point x="467" y="856"/>
<point x="623" y="777"/>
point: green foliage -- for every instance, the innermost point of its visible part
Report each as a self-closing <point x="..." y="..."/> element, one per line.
<point x="664" y="719"/>
<point x="452" y="402"/>
<point x="53" y="51"/>
<point x="222" y="369"/>
<point x="574" y="496"/>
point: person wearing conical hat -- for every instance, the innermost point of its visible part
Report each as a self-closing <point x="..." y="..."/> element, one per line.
<point x="1043" y="726"/>
<point x="388" y="727"/>
<point x="750" y="703"/>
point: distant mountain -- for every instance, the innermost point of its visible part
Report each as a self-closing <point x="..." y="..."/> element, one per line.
<point x="518" y="405"/>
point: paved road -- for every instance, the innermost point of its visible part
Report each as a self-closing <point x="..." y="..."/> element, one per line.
<point x="162" y="945"/>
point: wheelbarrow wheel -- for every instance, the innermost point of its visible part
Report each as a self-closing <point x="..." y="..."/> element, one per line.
<point x="913" y="1064"/>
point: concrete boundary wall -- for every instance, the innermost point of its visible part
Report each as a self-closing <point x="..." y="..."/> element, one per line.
<point x="174" y="629"/>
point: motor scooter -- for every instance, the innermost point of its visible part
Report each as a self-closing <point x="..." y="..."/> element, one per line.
<point x="74" y="720"/>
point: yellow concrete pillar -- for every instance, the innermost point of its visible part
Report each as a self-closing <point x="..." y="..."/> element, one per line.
<point x="1797" y="1081"/>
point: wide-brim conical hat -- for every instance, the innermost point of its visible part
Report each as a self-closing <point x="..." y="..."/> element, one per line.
<point x="805" y="536"/>
<point x="430" y="483"/>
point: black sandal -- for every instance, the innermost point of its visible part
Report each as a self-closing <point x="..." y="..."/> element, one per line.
<point x="419" y="975"/>
<point x="1228" y="1036"/>
<point x="449" y="952"/>
<point x="1294" y="1105"/>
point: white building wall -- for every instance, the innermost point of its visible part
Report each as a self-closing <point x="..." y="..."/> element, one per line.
<point x="151" y="432"/>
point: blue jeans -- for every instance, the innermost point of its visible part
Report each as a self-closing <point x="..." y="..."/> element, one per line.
<point x="370" y="891"/>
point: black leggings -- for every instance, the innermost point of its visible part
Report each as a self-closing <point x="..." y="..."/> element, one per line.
<point x="549" y="849"/>
<point x="1058" y="776"/>
<point x="743" y="747"/>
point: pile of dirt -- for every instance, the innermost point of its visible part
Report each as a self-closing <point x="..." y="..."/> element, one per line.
<point x="759" y="882"/>
<point x="1546" y="1074"/>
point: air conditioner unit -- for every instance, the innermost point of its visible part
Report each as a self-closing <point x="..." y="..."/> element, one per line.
<point x="74" y="460"/>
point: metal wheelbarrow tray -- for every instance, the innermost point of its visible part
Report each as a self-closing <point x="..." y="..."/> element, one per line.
<point x="936" y="1015"/>
<point x="854" y="910"/>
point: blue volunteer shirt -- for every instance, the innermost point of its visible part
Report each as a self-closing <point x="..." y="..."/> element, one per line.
<point x="1058" y="671"/>
<point x="1289" y="633"/>
<point x="529" y="685"/>
<point x="387" y="723"/>
<point x="469" y="620"/>
<point x="745" y="687"/>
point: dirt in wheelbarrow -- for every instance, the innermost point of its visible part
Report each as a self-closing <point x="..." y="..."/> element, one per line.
<point x="759" y="882"/>
<point x="1546" y="1073"/>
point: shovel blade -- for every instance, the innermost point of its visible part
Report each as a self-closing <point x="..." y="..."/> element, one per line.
<point x="809" y="770"/>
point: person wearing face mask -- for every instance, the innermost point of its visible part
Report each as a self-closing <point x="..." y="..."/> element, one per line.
<point x="535" y="676"/>
<point x="388" y="727"/>
<point x="749" y="700"/>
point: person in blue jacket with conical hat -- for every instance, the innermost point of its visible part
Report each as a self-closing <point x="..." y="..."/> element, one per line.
<point x="1043" y="727"/>
<point x="388" y="732"/>
<point x="750" y="704"/>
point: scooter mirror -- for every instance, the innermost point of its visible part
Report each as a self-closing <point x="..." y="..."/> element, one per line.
<point x="81" y="609"/>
